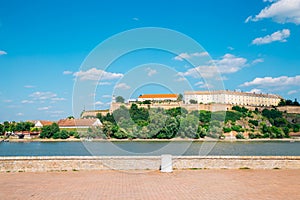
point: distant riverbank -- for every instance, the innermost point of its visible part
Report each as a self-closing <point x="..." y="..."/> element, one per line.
<point x="153" y="140"/>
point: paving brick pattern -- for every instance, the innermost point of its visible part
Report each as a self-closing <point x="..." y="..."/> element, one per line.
<point x="186" y="184"/>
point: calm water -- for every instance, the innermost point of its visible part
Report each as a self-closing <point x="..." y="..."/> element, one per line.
<point x="262" y="148"/>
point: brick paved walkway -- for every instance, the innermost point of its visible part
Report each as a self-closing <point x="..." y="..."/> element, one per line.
<point x="188" y="184"/>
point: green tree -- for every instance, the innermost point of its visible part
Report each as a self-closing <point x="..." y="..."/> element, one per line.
<point x="215" y="129"/>
<point x="232" y="116"/>
<point x="120" y="99"/>
<point x="24" y="126"/>
<point x="237" y="128"/>
<point x="192" y="101"/>
<point x="147" y="102"/>
<point x="296" y="103"/>
<point x="286" y="131"/>
<point x="180" y="97"/>
<point x="254" y="122"/>
<point x="202" y="131"/>
<point x="272" y="114"/>
<point x="289" y="102"/>
<point x="275" y="132"/>
<point x="49" y="131"/>
<point x="170" y="130"/>
<point x="120" y="134"/>
<point x="120" y="113"/>
<point x="218" y="116"/>
<point x="2" y="129"/>
<point x="63" y="134"/>
<point x="138" y="115"/>
<point x="240" y="109"/>
<point x="6" y="126"/>
<point x="204" y="116"/>
<point x="240" y="136"/>
<point x="189" y="127"/>
<point x="282" y="102"/>
<point x="174" y="112"/>
<point x="108" y="129"/>
<point x="226" y="129"/>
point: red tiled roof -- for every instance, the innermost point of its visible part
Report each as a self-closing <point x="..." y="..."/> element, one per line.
<point x="153" y="96"/>
<point x="46" y="123"/>
<point x="76" y="122"/>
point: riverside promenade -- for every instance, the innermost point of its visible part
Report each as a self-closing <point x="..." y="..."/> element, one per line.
<point x="136" y="184"/>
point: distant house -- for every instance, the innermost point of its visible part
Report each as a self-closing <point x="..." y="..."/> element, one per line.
<point x="27" y="134"/>
<point x="78" y="123"/>
<point x="41" y="123"/>
<point x="158" y="97"/>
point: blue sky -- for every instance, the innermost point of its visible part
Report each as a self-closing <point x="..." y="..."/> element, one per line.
<point x="45" y="48"/>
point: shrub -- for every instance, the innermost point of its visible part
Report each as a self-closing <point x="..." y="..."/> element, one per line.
<point x="254" y="122"/>
<point x="240" y="109"/>
<point x="226" y="129"/>
<point x="233" y="116"/>
<point x="240" y="136"/>
<point x="61" y="135"/>
<point x="237" y="128"/>
<point x="76" y="135"/>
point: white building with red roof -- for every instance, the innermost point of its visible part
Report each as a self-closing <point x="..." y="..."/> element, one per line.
<point x="158" y="97"/>
<point x="78" y="123"/>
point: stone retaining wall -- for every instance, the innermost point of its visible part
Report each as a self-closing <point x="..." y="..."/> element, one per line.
<point x="41" y="164"/>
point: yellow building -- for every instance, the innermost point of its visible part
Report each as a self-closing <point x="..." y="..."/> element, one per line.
<point x="232" y="97"/>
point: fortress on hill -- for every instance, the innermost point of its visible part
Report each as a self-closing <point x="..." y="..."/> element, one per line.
<point x="199" y="100"/>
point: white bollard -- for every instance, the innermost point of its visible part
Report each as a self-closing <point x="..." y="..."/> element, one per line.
<point x="166" y="163"/>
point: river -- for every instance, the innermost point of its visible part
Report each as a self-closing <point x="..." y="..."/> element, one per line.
<point x="126" y="148"/>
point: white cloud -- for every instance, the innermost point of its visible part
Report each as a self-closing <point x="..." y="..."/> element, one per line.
<point x="98" y="103"/>
<point x="280" y="36"/>
<point x="230" y="48"/>
<point x="20" y="114"/>
<point x="228" y="64"/>
<point x="2" y="52"/>
<point x="201" y="84"/>
<point x="258" y="60"/>
<point x="27" y="101"/>
<point x="269" y="1"/>
<point x="292" y="92"/>
<point x="256" y="91"/>
<point x="43" y="95"/>
<point x="280" y="11"/>
<point x="67" y="72"/>
<point x="150" y="71"/>
<point x="96" y="74"/>
<point x="282" y="81"/>
<point x="135" y="19"/>
<point x="104" y="83"/>
<point x="44" y="108"/>
<point x="183" y="56"/>
<point x="56" y="112"/>
<point x="58" y="99"/>
<point x="122" y="86"/>
<point x="180" y="79"/>
<point x="106" y="96"/>
<point x="29" y="86"/>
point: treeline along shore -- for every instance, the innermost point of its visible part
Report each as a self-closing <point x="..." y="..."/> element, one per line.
<point x="139" y="123"/>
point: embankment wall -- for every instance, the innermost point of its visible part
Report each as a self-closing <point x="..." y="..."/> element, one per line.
<point x="42" y="164"/>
